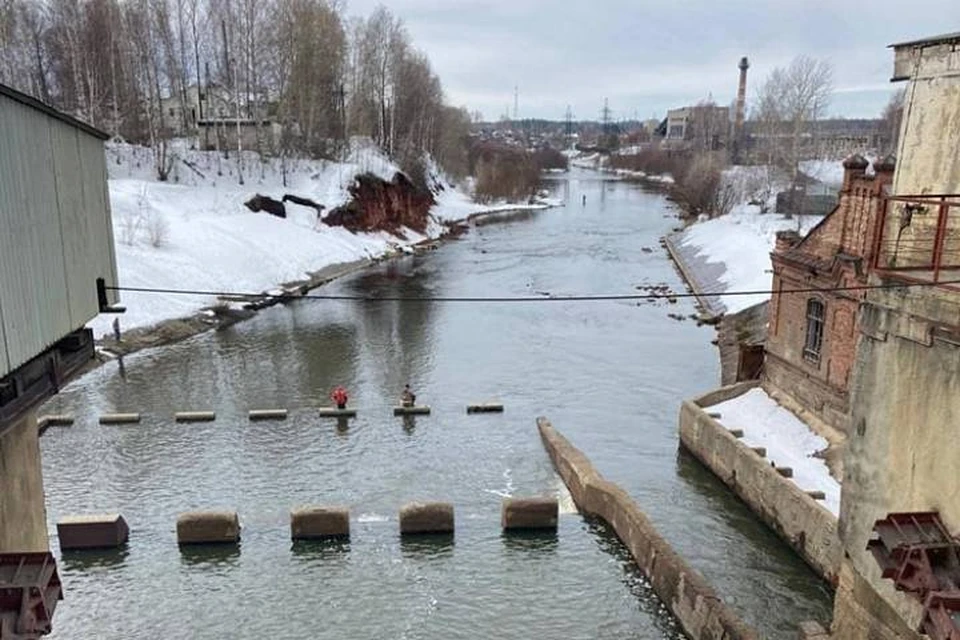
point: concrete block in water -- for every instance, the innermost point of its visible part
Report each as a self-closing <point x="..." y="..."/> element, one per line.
<point x="120" y="418"/>
<point x="760" y="451"/>
<point x="56" y="420"/>
<point x="786" y="472"/>
<point x="817" y="495"/>
<point x="195" y="416"/>
<point x="327" y="412"/>
<point x="208" y="527"/>
<point x="529" y="513"/>
<point x="268" y="414"/>
<point x="101" y="531"/>
<point x="736" y="433"/>
<point x="429" y="517"/>
<point x="316" y="523"/>
<point x="411" y="411"/>
<point x="812" y="630"/>
<point x="484" y="408"/>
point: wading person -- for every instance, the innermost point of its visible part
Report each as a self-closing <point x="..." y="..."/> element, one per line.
<point x="408" y="398"/>
<point x="339" y="397"/>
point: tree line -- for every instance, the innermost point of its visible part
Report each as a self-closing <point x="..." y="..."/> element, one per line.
<point x="134" y="68"/>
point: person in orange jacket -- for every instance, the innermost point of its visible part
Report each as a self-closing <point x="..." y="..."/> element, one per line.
<point x="339" y="396"/>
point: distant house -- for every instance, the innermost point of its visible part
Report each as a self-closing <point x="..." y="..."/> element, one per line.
<point x="704" y="126"/>
<point x="812" y="337"/>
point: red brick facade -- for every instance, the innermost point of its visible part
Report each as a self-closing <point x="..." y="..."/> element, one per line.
<point x="812" y="336"/>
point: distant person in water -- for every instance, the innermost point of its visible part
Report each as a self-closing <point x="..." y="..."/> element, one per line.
<point x="584" y="200"/>
<point x="339" y="396"/>
<point x="408" y="398"/>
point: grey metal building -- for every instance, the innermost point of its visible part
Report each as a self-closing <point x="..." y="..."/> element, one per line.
<point x="56" y="241"/>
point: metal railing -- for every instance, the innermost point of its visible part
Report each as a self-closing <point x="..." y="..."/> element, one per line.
<point x="918" y="238"/>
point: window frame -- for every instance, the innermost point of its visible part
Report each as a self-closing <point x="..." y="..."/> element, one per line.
<point x="813" y="342"/>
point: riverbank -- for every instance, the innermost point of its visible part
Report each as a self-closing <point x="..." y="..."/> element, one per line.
<point x="194" y="234"/>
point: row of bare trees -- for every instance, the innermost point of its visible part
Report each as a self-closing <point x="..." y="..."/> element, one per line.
<point x="136" y="69"/>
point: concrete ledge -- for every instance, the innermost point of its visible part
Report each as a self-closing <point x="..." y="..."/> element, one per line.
<point x="318" y="523"/>
<point x="195" y="416"/>
<point x="120" y="418"/>
<point x="425" y="518"/>
<point x="267" y="414"/>
<point x="806" y="525"/>
<point x="103" y="531"/>
<point x="411" y="411"/>
<point x="529" y="513"/>
<point x="337" y="413"/>
<point x="484" y="408"/>
<point x="55" y="420"/>
<point x="696" y="605"/>
<point x="208" y="527"/>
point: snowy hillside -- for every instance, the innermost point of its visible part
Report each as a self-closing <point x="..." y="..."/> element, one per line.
<point x="738" y="247"/>
<point x="194" y="233"/>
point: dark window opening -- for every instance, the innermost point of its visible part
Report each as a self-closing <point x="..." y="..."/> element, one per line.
<point x="815" y="314"/>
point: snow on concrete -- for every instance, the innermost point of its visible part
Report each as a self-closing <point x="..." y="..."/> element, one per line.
<point x="194" y="233"/>
<point x="788" y="440"/>
<point x="740" y="243"/>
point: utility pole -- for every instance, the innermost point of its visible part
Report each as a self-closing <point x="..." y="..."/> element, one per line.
<point x="516" y="102"/>
<point x="569" y="124"/>
<point x="605" y="120"/>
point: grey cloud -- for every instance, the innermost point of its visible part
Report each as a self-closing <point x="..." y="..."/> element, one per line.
<point x="648" y="57"/>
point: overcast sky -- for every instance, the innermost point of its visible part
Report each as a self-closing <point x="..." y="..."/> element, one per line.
<point x="648" y="57"/>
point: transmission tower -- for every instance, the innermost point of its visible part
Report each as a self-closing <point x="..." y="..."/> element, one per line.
<point x="516" y="102"/>
<point x="569" y="122"/>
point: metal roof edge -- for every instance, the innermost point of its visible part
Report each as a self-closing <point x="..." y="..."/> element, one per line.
<point x="32" y="102"/>
<point x="932" y="40"/>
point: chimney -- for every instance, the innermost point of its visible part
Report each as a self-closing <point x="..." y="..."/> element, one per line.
<point x="786" y="240"/>
<point x="741" y="107"/>
<point x="884" y="168"/>
<point x="854" y="167"/>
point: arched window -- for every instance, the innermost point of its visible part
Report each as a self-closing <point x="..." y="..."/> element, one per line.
<point x="815" y="315"/>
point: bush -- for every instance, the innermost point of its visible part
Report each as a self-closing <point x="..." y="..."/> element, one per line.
<point x="702" y="188"/>
<point x="504" y="173"/>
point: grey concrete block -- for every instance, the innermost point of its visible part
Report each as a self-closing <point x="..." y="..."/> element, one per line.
<point x="99" y="531"/>
<point x="529" y="513"/>
<point x="317" y="523"/>
<point x="208" y="527"/>
<point x="430" y="517"/>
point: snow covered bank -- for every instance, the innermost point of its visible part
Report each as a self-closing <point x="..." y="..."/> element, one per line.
<point x="736" y="247"/>
<point x="194" y="233"/>
<point x="788" y="440"/>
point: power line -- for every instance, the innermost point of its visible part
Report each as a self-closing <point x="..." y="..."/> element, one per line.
<point x="650" y="295"/>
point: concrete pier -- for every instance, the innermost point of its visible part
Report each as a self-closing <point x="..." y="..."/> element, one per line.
<point x="327" y="412"/>
<point x="195" y="416"/>
<point x="23" y="524"/>
<point x="103" y="531"/>
<point x="411" y="411"/>
<point x="318" y="523"/>
<point x="484" y="408"/>
<point x="120" y="418"/>
<point x="529" y="513"/>
<point x="426" y="518"/>
<point x="208" y="527"/>
<point x="267" y="414"/>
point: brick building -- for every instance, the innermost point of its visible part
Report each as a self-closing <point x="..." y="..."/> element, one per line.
<point x="812" y="336"/>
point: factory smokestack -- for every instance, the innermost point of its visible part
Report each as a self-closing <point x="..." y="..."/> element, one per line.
<point x="741" y="109"/>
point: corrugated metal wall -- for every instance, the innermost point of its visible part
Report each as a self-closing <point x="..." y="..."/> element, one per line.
<point x="56" y="238"/>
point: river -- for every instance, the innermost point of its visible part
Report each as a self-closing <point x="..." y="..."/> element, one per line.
<point x="610" y="375"/>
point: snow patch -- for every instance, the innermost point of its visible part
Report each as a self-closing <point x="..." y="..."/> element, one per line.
<point x="788" y="440"/>
<point x="741" y="242"/>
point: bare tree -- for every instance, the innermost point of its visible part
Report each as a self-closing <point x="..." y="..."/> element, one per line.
<point x="789" y="103"/>
<point x="891" y="118"/>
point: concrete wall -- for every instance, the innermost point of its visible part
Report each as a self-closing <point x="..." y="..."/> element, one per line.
<point x="930" y="132"/>
<point x="800" y="520"/>
<point x="23" y="520"/>
<point x="905" y="424"/>
<point x="688" y="595"/>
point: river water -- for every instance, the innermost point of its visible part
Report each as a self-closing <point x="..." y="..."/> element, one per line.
<point x="610" y="375"/>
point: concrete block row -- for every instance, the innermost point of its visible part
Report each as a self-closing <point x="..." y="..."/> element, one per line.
<point x="306" y="523"/>
<point x="263" y="414"/>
